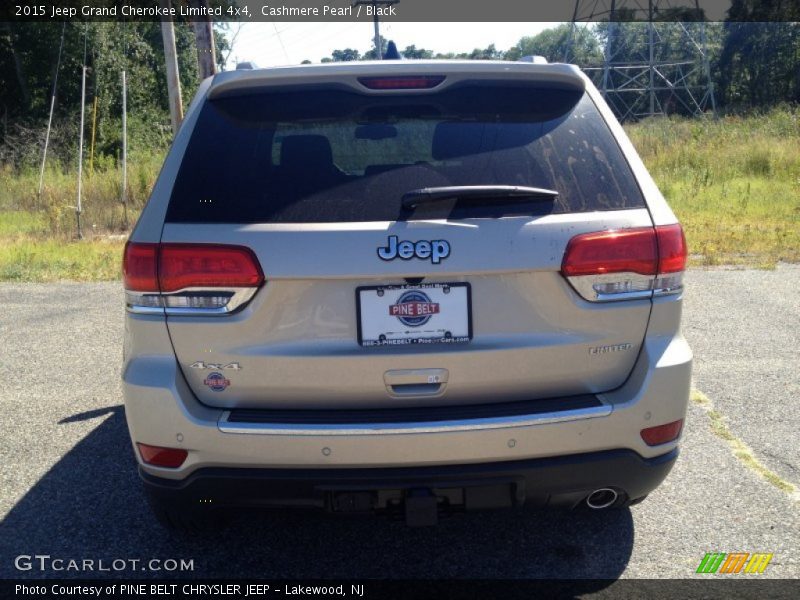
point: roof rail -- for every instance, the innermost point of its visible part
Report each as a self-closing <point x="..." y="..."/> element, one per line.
<point x="535" y="59"/>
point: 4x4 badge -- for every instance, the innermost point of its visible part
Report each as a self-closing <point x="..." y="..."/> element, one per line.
<point x="234" y="366"/>
<point x="435" y="250"/>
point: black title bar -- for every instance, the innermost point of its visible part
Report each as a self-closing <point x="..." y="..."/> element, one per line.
<point x="709" y="587"/>
<point x="496" y="11"/>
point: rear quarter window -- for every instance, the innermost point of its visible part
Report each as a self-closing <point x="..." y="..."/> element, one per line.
<point x="332" y="156"/>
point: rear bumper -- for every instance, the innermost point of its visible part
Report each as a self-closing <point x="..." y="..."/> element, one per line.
<point x="162" y="411"/>
<point x="559" y="481"/>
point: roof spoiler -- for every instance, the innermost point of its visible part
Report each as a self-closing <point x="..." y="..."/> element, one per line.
<point x="347" y="75"/>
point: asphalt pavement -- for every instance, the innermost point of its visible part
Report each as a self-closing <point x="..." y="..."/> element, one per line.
<point x="69" y="489"/>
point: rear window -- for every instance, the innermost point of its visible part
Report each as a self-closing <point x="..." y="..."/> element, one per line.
<point x="325" y="156"/>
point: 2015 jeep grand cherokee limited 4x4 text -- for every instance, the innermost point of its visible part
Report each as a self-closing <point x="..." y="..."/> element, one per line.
<point x="403" y="287"/>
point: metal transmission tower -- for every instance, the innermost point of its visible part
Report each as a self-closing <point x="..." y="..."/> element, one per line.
<point x="655" y="58"/>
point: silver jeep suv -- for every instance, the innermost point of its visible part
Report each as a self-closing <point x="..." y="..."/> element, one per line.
<point x="403" y="287"/>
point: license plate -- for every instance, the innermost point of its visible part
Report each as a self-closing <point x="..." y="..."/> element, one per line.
<point x="428" y="313"/>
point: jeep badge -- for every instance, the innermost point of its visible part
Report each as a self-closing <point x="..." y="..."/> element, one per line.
<point x="435" y="250"/>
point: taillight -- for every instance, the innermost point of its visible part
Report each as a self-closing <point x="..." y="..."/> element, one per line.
<point x="139" y="267"/>
<point x="672" y="255"/>
<point x="182" y="266"/>
<point x="626" y="264"/>
<point x="402" y="82"/>
<point x="189" y="278"/>
<point x="159" y="456"/>
<point x="661" y="434"/>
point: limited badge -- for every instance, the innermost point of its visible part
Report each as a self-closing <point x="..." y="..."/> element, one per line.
<point x="217" y="382"/>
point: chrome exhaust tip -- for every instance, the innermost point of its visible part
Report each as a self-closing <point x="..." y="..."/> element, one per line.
<point x="601" y="498"/>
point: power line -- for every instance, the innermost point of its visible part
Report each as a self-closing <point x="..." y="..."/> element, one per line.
<point x="278" y="33"/>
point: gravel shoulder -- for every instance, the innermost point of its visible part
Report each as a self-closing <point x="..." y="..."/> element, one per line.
<point x="744" y="329"/>
<point x="69" y="486"/>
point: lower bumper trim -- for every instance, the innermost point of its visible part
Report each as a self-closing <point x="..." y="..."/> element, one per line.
<point x="563" y="480"/>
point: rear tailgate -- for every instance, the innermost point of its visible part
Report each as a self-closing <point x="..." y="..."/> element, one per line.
<point x="296" y="342"/>
<point x="313" y="189"/>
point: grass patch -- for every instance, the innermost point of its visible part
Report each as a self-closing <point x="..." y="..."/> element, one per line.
<point x="734" y="184"/>
<point x="54" y="260"/>
<point x="38" y="233"/>
<point x="740" y="450"/>
<point x="19" y="223"/>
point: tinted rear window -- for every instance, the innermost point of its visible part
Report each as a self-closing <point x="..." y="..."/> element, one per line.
<point x="326" y="156"/>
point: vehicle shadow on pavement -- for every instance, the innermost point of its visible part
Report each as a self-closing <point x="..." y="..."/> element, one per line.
<point x="90" y="506"/>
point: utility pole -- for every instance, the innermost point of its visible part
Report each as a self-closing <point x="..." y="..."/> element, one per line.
<point x="375" y="5"/>
<point x="378" y="49"/>
<point x="78" y="207"/>
<point x="125" y="148"/>
<point x="173" y="80"/>
<point x="204" y="40"/>
<point x="94" y="130"/>
<point x="50" y="118"/>
<point x="78" y="210"/>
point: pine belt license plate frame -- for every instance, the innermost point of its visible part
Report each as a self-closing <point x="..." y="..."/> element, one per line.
<point x="461" y="334"/>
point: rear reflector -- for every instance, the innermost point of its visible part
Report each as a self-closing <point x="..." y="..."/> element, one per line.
<point x="162" y="457"/>
<point x="402" y="82"/>
<point x="661" y="434"/>
<point x="626" y="264"/>
<point x="189" y="278"/>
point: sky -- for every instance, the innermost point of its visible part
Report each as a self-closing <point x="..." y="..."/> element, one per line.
<point x="272" y="44"/>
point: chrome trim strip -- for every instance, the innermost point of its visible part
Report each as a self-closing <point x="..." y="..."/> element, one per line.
<point x="239" y="297"/>
<point x="406" y="428"/>
<point x="668" y="292"/>
<point x="202" y="312"/>
<point x="585" y="286"/>
<point x="144" y="310"/>
<point x="622" y="296"/>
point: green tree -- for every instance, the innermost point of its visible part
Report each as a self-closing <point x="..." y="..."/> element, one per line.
<point x="759" y="64"/>
<point x="412" y="52"/>
<point x="28" y="57"/>
<point x="578" y="44"/>
<point x="371" y="54"/>
<point x="346" y="55"/>
<point x="488" y="53"/>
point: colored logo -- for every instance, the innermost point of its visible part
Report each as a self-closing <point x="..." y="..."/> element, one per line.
<point x="434" y="250"/>
<point x="217" y="382"/>
<point x="734" y="562"/>
<point x="414" y="308"/>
